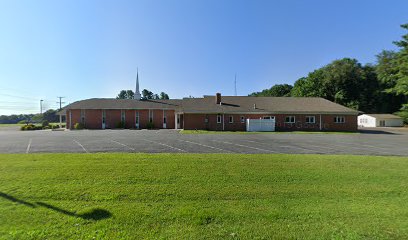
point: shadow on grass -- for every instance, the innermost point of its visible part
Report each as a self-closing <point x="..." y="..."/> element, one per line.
<point x="94" y="214"/>
<point x="372" y="131"/>
<point x="16" y="200"/>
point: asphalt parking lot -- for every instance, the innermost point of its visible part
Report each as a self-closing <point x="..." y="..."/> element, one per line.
<point x="368" y="142"/>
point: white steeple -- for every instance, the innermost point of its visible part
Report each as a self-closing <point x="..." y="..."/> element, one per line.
<point x="137" y="95"/>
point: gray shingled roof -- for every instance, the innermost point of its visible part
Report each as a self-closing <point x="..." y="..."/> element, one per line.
<point x="233" y="104"/>
<point x="112" y="103"/>
<point x="230" y="104"/>
<point x="383" y="116"/>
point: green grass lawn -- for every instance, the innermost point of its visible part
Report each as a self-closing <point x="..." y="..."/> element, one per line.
<point x="202" y="196"/>
<point x="244" y="132"/>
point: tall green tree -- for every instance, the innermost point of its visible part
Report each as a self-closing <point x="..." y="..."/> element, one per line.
<point x="125" y="94"/>
<point x="278" y="90"/>
<point x="164" y="95"/>
<point x="401" y="86"/>
<point x="146" y="94"/>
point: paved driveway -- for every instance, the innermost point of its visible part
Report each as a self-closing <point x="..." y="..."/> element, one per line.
<point x="369" y="142"/>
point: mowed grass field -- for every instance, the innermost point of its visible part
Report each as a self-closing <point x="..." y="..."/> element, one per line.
<point x="202" y="196"/>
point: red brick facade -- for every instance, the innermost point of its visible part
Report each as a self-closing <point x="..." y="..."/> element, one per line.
<point x="93" y="118"/>
<point x="209" y="122"/>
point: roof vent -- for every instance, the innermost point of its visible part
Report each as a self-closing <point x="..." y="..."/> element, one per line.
<point x="254" y="105"/>
<point x="218" y="98"/>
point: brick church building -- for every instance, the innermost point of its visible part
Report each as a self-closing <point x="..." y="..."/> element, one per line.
<point x="218" y="113"/>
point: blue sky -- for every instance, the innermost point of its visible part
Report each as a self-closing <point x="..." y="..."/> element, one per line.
<point x="86" y="49"/>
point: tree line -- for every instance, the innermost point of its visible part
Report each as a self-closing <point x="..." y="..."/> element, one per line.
<point x="49" y="116"/>
<point x="372" y="88"/>
<point x="146" y="94"/>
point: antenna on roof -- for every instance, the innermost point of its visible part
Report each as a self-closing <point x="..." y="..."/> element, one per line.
<point x="235" y="84"/>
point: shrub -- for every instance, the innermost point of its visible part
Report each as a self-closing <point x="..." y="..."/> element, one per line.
<point x="45" y="123"/>
<point x="150" y="125"/>
<point x="54" y="126"/>
<point x="30" y="127"/>
<point x="78" y="126"/>
<point x="46" y="127"/>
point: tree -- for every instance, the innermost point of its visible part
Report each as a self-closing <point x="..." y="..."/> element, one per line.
<point x="343" y="81"/>
<point x="50" y="116"/>
<point x="277" y="90"/>
<point x="146" y="94"/>
<point x="126" y="94"/>
<point x="401" y="86"/>
<point x="156" y="96"/>
<point x="164" y="95"/>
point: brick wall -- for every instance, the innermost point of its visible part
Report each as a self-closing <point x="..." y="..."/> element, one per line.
<point x="197" y="121"/>
<point x="93" y="119"/>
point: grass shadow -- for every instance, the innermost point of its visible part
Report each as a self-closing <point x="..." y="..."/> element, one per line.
<point x="372" y="131"/>
<point x="16" y="200"/>
<point x="95" y="214"/>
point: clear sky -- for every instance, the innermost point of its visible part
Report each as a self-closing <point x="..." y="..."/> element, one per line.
<point x="87" y="49"/>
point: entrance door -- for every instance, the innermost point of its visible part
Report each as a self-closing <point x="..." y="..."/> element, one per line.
<point x="382" y="123"/>
<point x="103" y="119"/>
<point x="178" y="121"/>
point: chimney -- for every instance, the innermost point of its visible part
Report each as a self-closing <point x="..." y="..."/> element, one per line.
<point x="218" y="98"/>
<point x="254" y="105"/>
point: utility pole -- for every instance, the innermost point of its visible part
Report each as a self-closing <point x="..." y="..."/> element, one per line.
<point x="60" y="103"/>
<point x="41" y="101"/>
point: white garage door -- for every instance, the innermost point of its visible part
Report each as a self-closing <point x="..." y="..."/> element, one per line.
<point x="260" y="125"/>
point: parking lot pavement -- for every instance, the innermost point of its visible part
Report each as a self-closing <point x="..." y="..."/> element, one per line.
<point x="393" y="142"/>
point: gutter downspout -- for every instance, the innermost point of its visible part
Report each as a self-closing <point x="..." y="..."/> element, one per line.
<point x="223" y="122"/>
<point x="320" y="125"/>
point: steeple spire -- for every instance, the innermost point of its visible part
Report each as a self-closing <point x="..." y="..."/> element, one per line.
<point x="137" y="95"/>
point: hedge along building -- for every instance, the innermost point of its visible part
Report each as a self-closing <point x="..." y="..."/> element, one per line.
<point x="218" y="113"/>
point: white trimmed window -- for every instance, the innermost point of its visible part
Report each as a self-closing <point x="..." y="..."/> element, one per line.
<point x="339" y="119"/>
<point x="269" y="117"/>
<point x="137" y="118"/>
<point x="150" y="116"/>
<point x="83" y="116"/>
<point x="290" y="119"/>
<point x="310" y="119"/>
<point x="231" y="119"/>
<point x="123" y="116"/>
<point x="219" y="118"/>
<point x="242" y="119"/>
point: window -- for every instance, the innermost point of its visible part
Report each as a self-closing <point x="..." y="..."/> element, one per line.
<point x="137" y="118"/>
<point x="103" y="116"/>
<point x="219" y="118"/>
<point x="310" y="119"/>
<point x="206" y="119"/>
<point x="123" y="116"/>
<point x="290" y="119"/>
<point x="83" y="116"/>
<point x="242" y="119"/>
<point x="231" y="119"/>
<point x="150" y="116"/>
<point x="339" y="119"/>
<point x="269" y="117"/>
